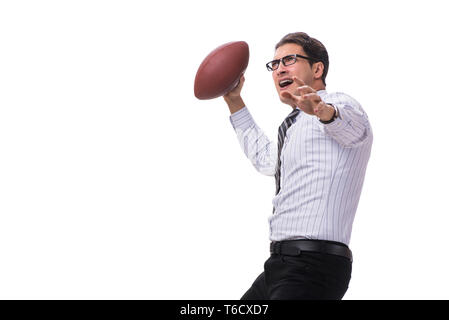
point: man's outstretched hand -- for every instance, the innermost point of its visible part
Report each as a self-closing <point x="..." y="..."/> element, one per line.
<point x="306" y="99"/>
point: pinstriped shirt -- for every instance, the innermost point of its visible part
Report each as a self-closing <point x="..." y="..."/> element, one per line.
<point x="322" y="169"/>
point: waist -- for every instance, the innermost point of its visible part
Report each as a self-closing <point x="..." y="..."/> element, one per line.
<point x="295" y="247"/>
<point x="289" y="223"/>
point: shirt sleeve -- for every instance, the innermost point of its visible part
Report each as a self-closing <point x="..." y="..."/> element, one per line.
<point x="255" y="144"/>
<point x="352" y="128"/>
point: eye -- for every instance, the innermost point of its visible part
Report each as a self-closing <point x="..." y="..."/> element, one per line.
<point x="274" y="64"/>
<point x="289" y="60"/>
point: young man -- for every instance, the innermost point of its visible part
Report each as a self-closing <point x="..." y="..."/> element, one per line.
<point x="319" y="164"/>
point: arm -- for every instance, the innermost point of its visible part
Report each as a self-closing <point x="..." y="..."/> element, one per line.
<point x="350" y="129"/>
<point x="255" y="144"/>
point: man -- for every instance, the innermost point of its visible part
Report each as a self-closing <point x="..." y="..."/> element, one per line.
<point x="319" y="164"/>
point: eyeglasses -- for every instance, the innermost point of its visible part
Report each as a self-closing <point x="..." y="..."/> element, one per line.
<point x="286" y="61"/>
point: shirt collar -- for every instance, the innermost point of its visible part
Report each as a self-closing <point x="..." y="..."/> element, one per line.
<point x="321" y="93"/>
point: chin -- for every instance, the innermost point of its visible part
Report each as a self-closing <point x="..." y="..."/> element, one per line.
<point x="285" y="101"/>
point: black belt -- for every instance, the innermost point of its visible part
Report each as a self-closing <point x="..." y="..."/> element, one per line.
<point x="294" y="247"/>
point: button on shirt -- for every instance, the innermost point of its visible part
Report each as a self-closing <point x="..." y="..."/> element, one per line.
<point x="322" y="169"/>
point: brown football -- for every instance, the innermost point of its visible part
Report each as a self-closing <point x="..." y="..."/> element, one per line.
<point x="220" y="71"/>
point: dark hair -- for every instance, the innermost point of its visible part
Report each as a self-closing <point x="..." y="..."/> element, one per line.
<point x="311" y="46"/>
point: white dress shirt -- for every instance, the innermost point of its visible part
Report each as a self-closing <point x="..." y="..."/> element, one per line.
<point x="322" y="169"/>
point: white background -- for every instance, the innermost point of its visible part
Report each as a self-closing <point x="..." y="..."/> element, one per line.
<point x="117" y="183"/>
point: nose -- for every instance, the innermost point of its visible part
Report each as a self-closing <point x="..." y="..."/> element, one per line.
<point x="281" y="70"/>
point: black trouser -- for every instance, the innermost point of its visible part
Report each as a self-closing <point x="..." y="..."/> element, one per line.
<point x="308" y="275"/>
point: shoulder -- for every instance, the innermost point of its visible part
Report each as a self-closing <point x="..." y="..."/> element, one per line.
<point x="342" y="100"/>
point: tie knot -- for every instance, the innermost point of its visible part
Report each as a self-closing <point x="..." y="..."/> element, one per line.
<point x="293" y="114"/>
<point x="289" y="120"/>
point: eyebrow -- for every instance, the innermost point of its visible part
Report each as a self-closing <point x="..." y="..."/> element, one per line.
<point x="291" y="54"/>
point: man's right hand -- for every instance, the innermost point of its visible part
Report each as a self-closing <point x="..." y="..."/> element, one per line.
<point x="233" y="97"/>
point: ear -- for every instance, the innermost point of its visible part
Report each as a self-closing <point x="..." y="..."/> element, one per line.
<point x="318" y="69"/>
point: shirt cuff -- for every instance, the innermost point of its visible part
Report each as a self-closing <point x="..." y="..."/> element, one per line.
<point x="241" y="119"/>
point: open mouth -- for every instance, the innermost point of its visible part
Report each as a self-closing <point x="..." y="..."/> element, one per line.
<point x="285" y="83"/>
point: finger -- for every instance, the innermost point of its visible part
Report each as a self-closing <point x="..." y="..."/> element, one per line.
<point x="239" y="84"/>
<point x="287" y="95"/>
<point x="300" y="91"/>
<point x="299" y="82"/>
<point x="313" y="96"/>
<point x="242" y="79"/>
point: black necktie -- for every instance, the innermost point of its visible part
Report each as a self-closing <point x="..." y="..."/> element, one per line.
<point x="281" y="136"/>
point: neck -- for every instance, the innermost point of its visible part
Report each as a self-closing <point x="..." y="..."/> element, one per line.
<point x="318" y="88"/>
<point x="318" y="85"/>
